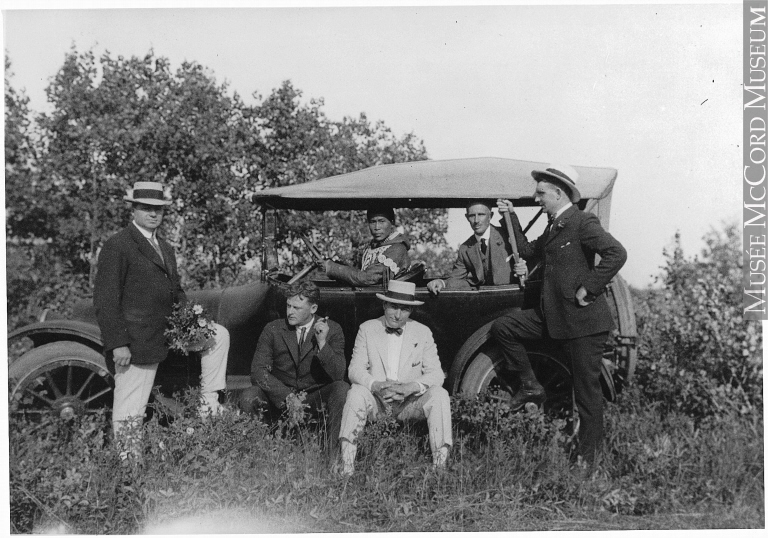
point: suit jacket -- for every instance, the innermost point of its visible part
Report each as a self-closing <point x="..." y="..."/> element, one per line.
<point x="568" y="255"/>
<point x="134" y="294"/>
<point x="418" y="355"/>
<point x="279" y="367"/>
<point x="467" y="271"/>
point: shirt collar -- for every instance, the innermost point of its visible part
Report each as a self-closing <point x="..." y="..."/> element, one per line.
<point x="306" y="325"/>
<point x="390" y="237"/>
<point x="486" y="235"/>
<point x="146" y="233"/>
<point x="563" y="209"/>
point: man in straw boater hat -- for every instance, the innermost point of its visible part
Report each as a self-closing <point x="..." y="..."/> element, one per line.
<point x="572" y="310"/>
<point x="395" y="370"/>
<point x="137" y="284"/>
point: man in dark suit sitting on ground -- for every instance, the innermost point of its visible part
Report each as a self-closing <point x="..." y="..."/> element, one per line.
<point x="573" y="310"/>
<point x="483" y="259"/>
<point x="301" y="353"/>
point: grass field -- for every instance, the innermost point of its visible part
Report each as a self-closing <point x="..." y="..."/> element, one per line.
<point x="507" y="473"/>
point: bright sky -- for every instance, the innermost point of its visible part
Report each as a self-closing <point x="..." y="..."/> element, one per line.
<point x="652" y="90"/>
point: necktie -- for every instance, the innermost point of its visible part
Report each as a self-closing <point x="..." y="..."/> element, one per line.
<point x="156" y="246"/>
<point x="301" y="336"/>
<point x="548" y="229"/>
<point x="393" y="330"/>
<point x="483" y="246"/>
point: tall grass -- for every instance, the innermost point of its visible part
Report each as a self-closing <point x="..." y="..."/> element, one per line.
<point x="507" y="472"/>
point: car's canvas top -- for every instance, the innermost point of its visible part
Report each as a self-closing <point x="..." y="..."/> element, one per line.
<point x="445" y="183"/>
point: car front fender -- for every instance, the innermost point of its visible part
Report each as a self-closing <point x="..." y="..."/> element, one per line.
<point x="56" y="330"/>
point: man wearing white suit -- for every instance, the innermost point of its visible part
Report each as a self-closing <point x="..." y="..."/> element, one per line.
<point x="395" y="369"/>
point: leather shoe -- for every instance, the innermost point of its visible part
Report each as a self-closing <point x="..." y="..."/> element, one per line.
<point x="534" y="394"/>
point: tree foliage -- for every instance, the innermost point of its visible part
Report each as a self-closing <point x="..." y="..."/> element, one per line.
<point x="133" y="120"/>
<point x="697" y="353"/>
<point x="115" y="120"/>
<point x="302" y="144"/>
<point x="25" y="214"/>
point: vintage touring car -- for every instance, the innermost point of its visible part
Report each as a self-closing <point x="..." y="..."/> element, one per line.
<point x="65" y="373"/>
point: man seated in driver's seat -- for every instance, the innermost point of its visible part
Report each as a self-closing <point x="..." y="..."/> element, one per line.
<point x="386" y="253"/>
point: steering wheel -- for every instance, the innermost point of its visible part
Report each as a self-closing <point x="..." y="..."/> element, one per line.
<point x="413" y="273"/>
<point x="304" y="272"/>
<point x="313" y="250"/>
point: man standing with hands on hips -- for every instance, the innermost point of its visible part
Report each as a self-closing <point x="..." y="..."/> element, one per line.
<point x="137" y="284"/>
<point x="572" y="310"/>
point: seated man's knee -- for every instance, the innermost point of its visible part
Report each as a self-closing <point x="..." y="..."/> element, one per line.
<point x="253" y="400"/>
<point x="438" y="393"/>
<point x="496" y="327"/>
<point x="222" y="334"/>
<point x="357" y="393"/>
<point x="339" y="389"/>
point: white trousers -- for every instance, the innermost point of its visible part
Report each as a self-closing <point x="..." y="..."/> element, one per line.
<point x="434" y="406"/>
<point x="133" y="384"/>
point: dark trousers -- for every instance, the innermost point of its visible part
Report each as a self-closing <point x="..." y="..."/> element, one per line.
<point x="584" y="355"/>
<point x="330" y="397"/>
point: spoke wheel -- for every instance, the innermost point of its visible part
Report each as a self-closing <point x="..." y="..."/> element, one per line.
<point x="63" y="379"/>
<point x="482" y="375"/>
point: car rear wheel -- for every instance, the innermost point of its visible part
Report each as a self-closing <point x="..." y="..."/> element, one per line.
<point x="482" y="375"/>
<point x="64" y="379"/>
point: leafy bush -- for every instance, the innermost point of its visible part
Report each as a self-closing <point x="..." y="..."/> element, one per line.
<point x="236" y="474"/>
<point x="697" y="355"/>
<point x="36" y="280"/>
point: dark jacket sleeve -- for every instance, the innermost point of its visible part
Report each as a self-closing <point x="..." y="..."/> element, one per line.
<point x="528" y="250"/>
<point x="374" y="274"/>
<point x="612" y="254"/>
<point x="461" y="277"/>
<point x="261" y="369"/>
<point x="108" y="295"/>
<point x="331" y="357"/>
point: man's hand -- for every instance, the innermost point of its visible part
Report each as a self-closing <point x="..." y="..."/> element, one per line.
<point x="321" y="331"/>
<point x="122" y="356"/>
<point x="521" y="268"/>
<point x="583" y="298"/>
<point x="400" y="391"/>
<point x="434" y="286"/>
<point x="381" y="386"/>
<point x="505" y="206"/>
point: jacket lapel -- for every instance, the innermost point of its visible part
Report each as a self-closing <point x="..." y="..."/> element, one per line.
<point x="408" y="337"/>
<point x="381" y="347"/>
<point x="146" y="249"/>
<point x="560" y="222"/>
<point x="309" y="343"/>
<point x="289" y="338"/>
<point x="498" y="255"/>
<point x="473" y="251"/>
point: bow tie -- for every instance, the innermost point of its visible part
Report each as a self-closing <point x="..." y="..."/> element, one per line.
<point x="392" y="330"/>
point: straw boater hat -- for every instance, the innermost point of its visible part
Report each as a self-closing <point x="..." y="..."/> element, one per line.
<point x="400" y="293"/>
<point x="561" y="174"/>
<point x="147" y="192"/>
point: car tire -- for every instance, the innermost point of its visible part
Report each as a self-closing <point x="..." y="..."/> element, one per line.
<point x="481" y="375"/>
<point x="64" y="379"/>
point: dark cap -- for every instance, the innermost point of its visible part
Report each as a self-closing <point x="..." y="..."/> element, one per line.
<point x="386" y="212"/>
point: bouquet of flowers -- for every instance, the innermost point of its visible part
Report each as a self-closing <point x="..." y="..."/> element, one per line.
<point x="190" y="328"/>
